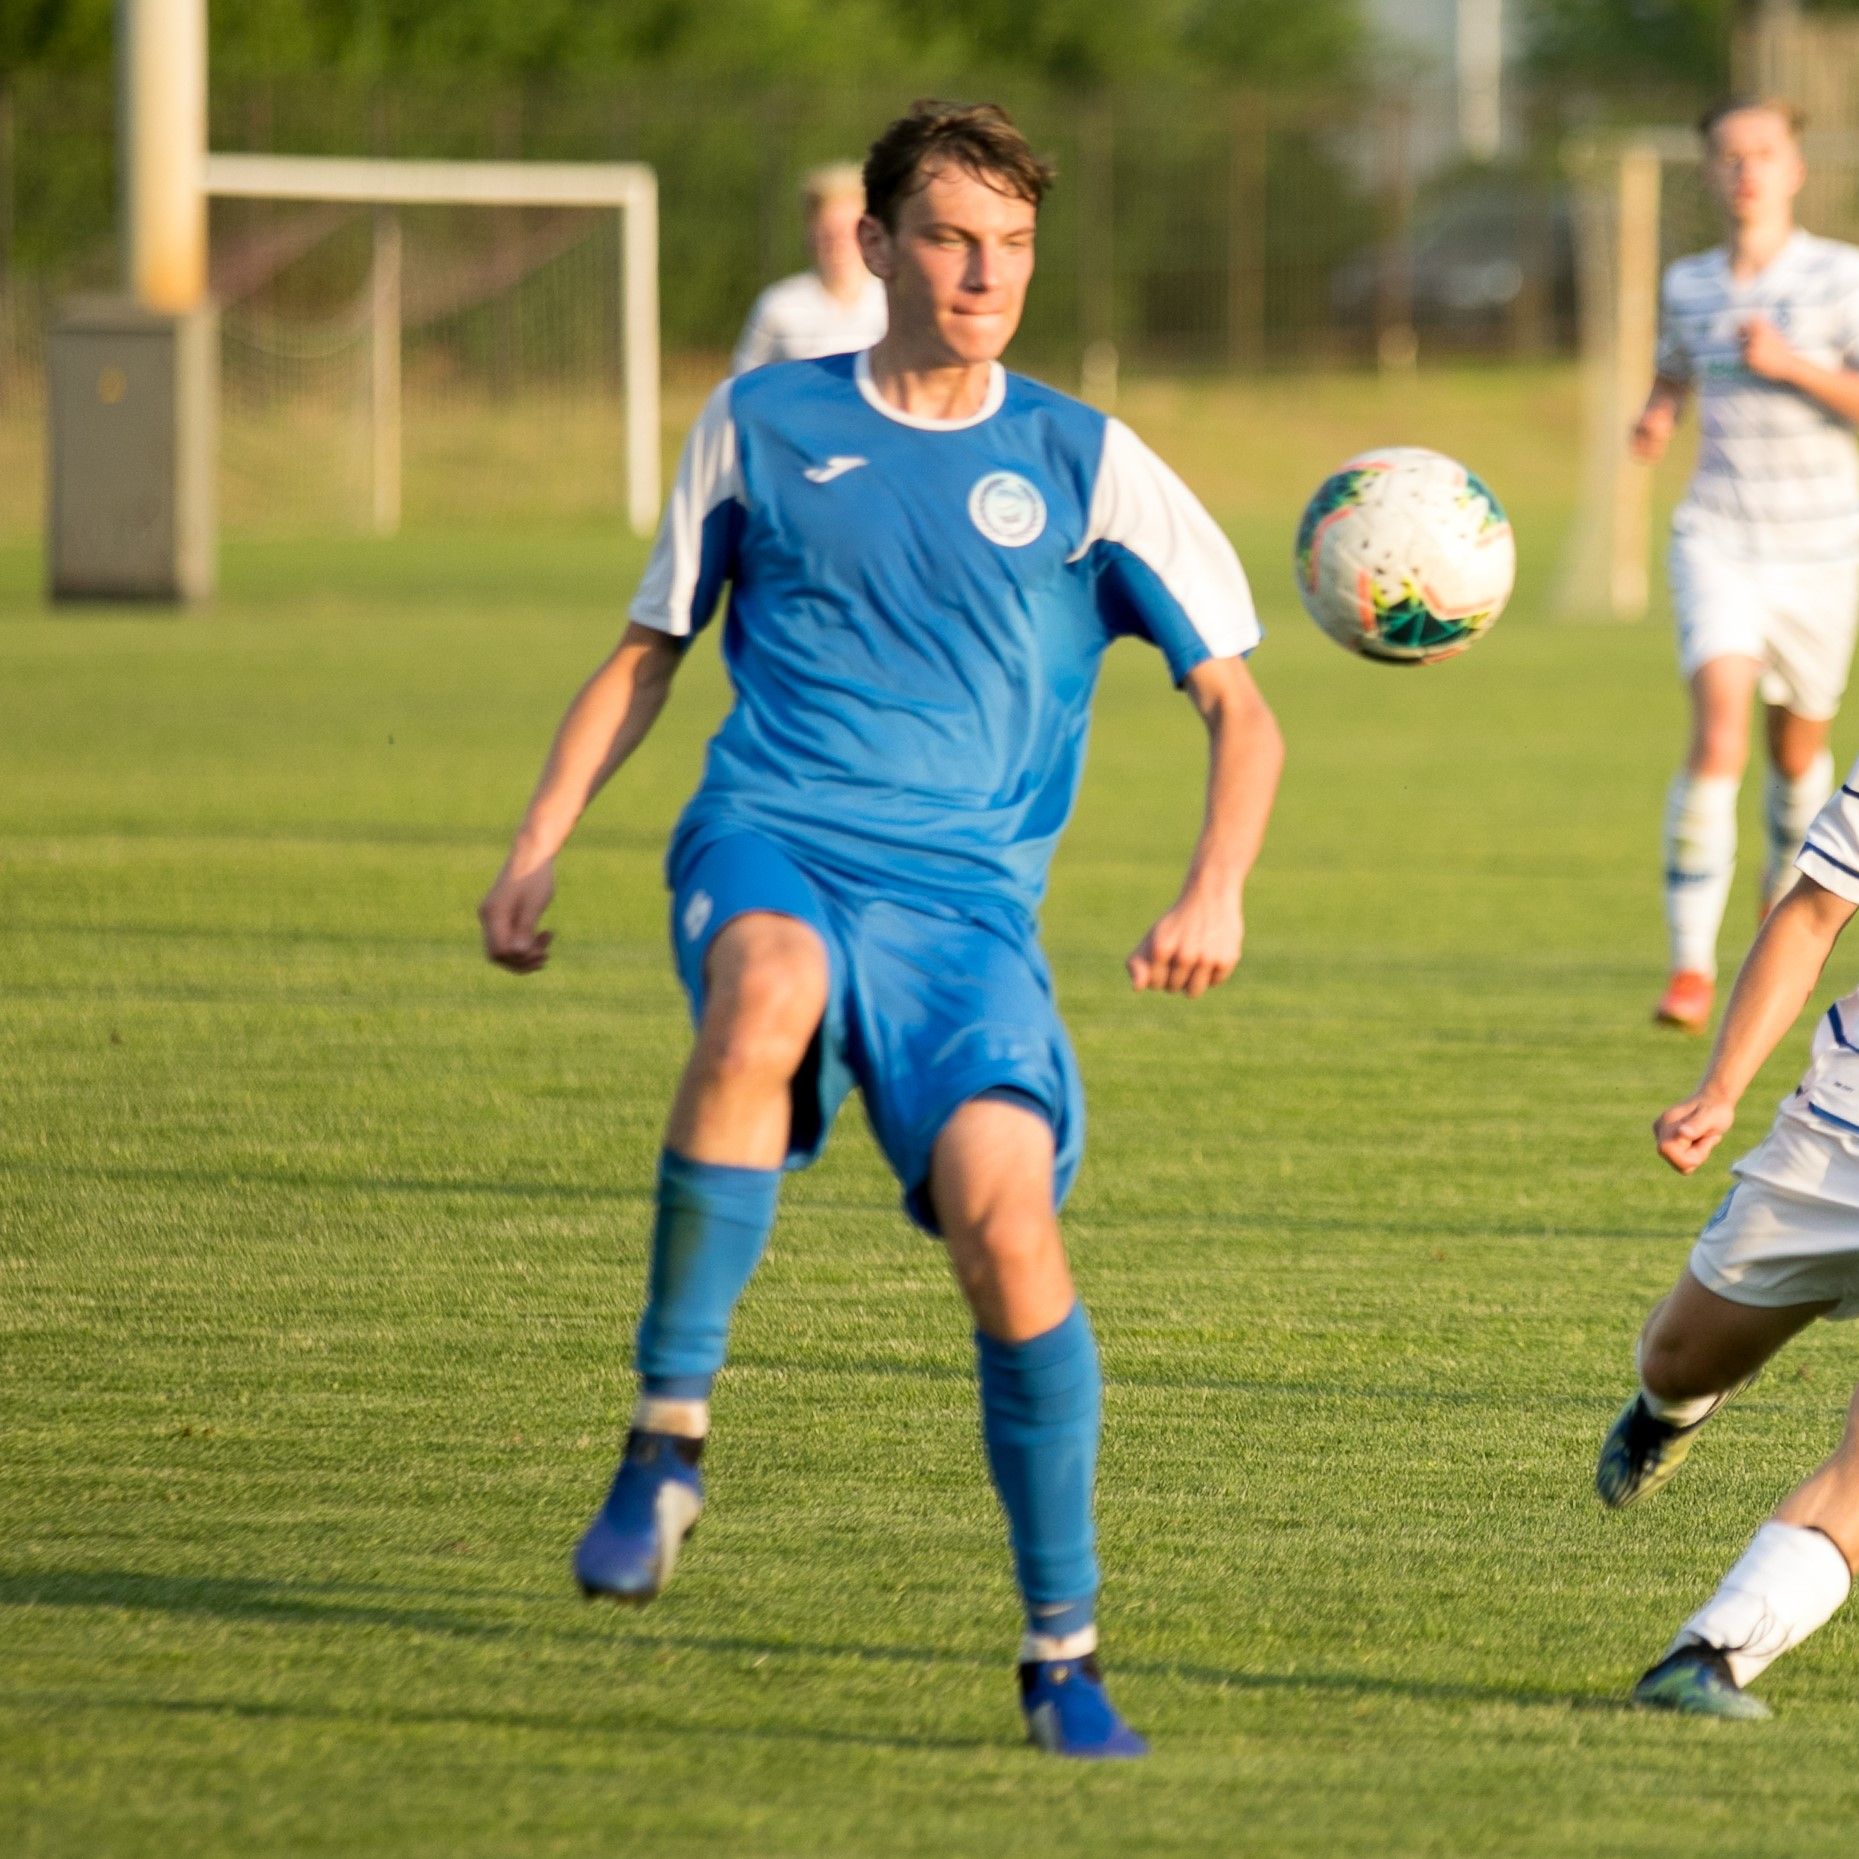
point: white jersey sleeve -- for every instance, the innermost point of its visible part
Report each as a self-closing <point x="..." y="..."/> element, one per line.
<point x="759" y="341"/>
<point x="1166" y="571"/>
<point x="694" y="552"/>
<point x="1831" y="855"/>
<point x="1673" y="361"/>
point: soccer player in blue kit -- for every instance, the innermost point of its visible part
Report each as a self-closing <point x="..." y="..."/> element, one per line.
<point x="926" y="557"/>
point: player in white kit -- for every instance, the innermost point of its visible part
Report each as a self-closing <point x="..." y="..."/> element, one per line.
<point x="1781" y="1249"/>
<point x="834" y="309"/>
<point x="1764" y="563"/>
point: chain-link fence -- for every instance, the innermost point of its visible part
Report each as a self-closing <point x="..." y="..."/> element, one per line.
<point x="1193" y="228"/>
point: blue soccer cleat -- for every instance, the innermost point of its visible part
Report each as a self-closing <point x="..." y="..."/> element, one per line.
<point x="631" y="1547"/>
<point x="1696" y="1680"/>
<point x="1640" y="1454"/>
<point x="1069" y="1714"/>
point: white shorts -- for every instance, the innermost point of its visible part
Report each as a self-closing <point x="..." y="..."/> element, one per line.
<point x="1776" y="1238"/>
<point x="1796" y="620"/>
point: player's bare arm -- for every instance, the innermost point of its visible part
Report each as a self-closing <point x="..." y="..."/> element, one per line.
<point x="1195" y="945"/>
<point x="1778" y="975"/>
<point x="1652" y="431"/>
<point x="1768" y="354"/>
<point x="609" y="718"/>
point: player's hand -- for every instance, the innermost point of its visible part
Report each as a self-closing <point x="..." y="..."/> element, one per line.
<point x="509" y="915"/>
<point x="1652" y="432"/>
<point x="1688" y="1132"/>
<point x="1193" y="947"/>
<point x="1766" y="351"/>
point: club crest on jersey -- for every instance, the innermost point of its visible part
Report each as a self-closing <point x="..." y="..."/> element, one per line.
<point x="1007" y="509"/>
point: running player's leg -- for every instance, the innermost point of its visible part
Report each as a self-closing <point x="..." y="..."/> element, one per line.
<point x="1813" y="612"/>
<point x="766" y="980"/>
<point x="760" y="980"/>
<point x="1789" y="1582"/>
<point x="1800" y="782"/>
<point x="991" y="1186"/>
<point x="1697" y="1349"/>
<point x="1700" y="832"/>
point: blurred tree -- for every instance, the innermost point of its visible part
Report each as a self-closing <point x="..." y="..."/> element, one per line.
<point x="1678" y="42"/>
<point x="1083" y="41"/>
<point x="54" y="34"/>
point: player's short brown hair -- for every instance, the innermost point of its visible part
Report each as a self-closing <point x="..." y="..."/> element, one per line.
<point x="1790" y="114"/>
<point x="977" y="137"/>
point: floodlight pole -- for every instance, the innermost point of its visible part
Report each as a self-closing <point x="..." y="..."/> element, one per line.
<point x="161" y="146"/>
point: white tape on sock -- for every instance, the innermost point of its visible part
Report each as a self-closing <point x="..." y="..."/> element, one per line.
<point x="658" y="1413"/>
<point x="1700" y="861"/>
<point x="1059" y="1645"/>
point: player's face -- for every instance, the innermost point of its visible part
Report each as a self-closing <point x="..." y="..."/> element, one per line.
<point x="1755" y="166"/>
<point x="832" y="234"/>
<point x="957" y="266"/>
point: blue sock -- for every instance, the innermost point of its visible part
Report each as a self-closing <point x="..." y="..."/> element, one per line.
<point x="1039" y="1421"/>
<point x="713" y="1222"/>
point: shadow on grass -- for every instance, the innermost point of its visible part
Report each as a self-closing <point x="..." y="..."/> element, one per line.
<point x="647" y="1721"/>
<point x="309" y="1181"/>
<point x="1221" y="1678"/>
<point x="349" y="1605"/>
<point x="303" y="1180"/>
<point x="232" y="1597"/>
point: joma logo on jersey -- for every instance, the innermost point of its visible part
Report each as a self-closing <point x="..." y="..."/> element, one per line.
<point x="697" y="912"/>
<point x="1007" y="509"/>
<point x="833" y="468"/>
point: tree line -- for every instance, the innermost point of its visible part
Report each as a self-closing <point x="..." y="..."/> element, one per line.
<point x="1317" y="42"/>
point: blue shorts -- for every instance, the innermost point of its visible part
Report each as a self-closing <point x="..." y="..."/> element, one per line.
<point x="924" y="1011"/>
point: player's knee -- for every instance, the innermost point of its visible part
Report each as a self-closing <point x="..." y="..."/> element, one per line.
<point x="760" y="1027"/>
<point x="1007" y="1244"/>
<point x="764" y="1043"/>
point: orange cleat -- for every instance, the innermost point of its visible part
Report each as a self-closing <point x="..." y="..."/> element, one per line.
<point x="1686" y="1002"/>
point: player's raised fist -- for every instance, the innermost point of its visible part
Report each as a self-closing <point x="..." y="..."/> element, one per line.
<point x="509" y="915"/>
<point x="1688" y="1132"/>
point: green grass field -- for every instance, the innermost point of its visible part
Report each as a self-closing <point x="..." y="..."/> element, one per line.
<point x="320" y="1243"/>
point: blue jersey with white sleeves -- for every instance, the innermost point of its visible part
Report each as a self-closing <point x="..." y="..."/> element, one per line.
<point x="917" y="610"/>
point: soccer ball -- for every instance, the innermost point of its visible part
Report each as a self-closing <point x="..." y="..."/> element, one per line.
<point x="1404" y="556"/>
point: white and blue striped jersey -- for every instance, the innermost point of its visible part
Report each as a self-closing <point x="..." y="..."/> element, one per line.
<point x="917" y="611"/>
<point x="1827" y="1098"/>
<point x="1777" y="476"/>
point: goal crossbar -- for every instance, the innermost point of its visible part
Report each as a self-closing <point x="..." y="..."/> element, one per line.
<point x="626" y="187"/>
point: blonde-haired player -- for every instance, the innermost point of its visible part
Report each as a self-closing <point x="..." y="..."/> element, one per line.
<point x="835" y="308"/>
<point x="1764" y="562"/>
<point x="1781" y="1249"/>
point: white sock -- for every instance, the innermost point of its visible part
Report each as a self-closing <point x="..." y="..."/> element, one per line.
<point x="1789" y="808"/>
<point x="658" y="1413"/>
<point x="1789" y="1582"/>
<point x="1058" y="1645"/>
<point x="1683" y="1413"/>
<point x="1700" y="861"/>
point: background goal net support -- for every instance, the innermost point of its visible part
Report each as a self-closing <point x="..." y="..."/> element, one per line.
<point x="627" y="189"/>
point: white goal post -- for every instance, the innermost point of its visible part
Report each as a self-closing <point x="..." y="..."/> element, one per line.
<point x="627" y="188"/>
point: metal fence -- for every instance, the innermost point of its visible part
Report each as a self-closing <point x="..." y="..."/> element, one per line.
<point x="1191" y="227"/>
